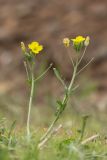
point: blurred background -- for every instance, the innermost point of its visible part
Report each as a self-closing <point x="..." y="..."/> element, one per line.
<point x="49" y="22"/>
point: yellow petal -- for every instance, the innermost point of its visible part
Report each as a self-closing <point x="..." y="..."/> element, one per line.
<point x="33" y="44"/>
<point x="40" y="47"/>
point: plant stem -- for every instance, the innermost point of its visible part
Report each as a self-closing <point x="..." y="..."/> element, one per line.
<point x="85" y="66"/>
<point x="39" y="77"/>
<point x="83" y="127"/>
<point x="82" y="55"/>
<point x="73" y="77"/>
<point x="50" y="128"/>
<point x="90" y="139"/>
<point x="69" y="54"/>
<point x="30" y="103"/>
<point x="64" y="102"/>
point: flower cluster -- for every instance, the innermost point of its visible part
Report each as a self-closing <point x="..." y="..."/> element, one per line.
<point x="34" y="48"/>
<point x="78" y="43"/>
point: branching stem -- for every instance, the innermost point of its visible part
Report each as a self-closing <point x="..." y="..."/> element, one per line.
<point x="64" y="103"/>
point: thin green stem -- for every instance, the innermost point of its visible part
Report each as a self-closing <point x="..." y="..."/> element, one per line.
<point x="30" y="103"/>
<point x="85" y="66"/>
<point x="83" y="127"/>
<point x="73" y="77"/>
<point x="69" y="54"/>
<point x="64" y="103"/>
<point x="50" y="128"/>
<point x="82" y="55"/>
<point x="39" y="77"/>
<point x="27" y="72"/>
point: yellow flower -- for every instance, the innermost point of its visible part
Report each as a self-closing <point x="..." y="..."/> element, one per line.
<point x="35" y="47"/>
<point x="66" y="42"/>
<point x="78" y="39"/>
<point x="78" y="43"/>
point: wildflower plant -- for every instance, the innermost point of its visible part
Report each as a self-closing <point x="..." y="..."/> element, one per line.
<point x="79" y="43"/>
<point x="30" y="53"/>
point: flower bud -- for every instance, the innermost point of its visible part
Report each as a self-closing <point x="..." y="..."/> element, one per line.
<point x="23" y="47"/>
<point x="87" y="41"/>
<point x="66" y="42"/>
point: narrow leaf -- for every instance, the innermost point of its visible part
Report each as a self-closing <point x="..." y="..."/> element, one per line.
<point x="56" y="72"/>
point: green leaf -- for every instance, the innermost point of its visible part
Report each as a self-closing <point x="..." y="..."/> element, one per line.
<point x="28" y="56"/>
<point x="59" y="106"/>
<point x="59" y="103"/>
<point x="58" y="75"/>
<point x="12" y="128"/>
